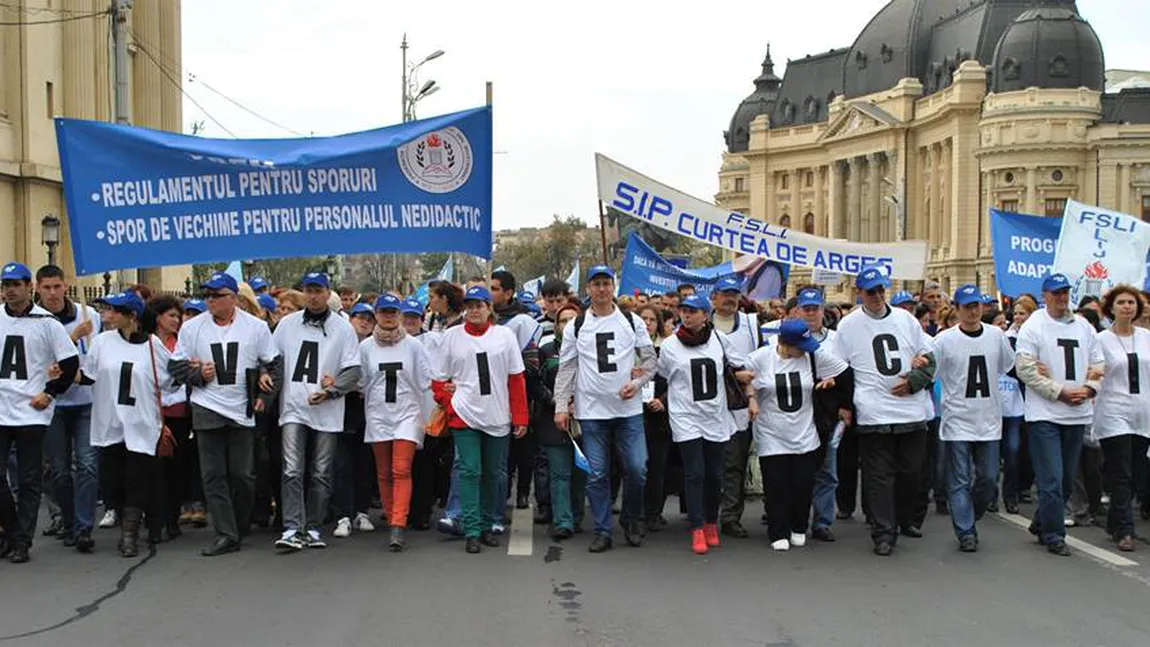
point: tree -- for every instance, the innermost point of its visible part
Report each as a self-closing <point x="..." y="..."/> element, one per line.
<point x="552" y="252"/>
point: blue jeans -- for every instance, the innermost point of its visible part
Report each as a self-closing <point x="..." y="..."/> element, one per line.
<point x="306" y="510"/>
<point x="69" y="435"/>
<point x="971" y="476"/>
<point x="826" y="483"/>
<point x="1012" y="450"/>
<point x="1054" y="452"/>
<point x="628" y="437"/>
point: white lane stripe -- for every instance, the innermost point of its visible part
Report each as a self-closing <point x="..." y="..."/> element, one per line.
<point x="1101" y="554"/>
<point x="521" y="540"/>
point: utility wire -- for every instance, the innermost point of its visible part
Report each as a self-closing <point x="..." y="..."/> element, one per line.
<point x="54" y="20"/>
<point x="193" y="78"/>
<point x="180" y="87"/>
<point x="39" y="10"/>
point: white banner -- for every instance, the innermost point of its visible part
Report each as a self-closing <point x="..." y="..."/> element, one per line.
<point x="1099" y="248"/>
<point x="825" y="277"/>
<point x="658" y="204"/>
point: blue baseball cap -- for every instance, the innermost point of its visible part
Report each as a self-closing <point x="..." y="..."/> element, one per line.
<point x="315" y="278"/>
<point x="697" y="302"/>
<point x="901" y="297"/>
<point x="411" y="307"/>
<point x="871" y="277"/>
<point x="600" y="270"/>
<point x="534" y="309"/>
<point x="16" y="272"/>
<point x="809" y="297"/>
<point x="129" y="300"/>
<point x="266" y="302"/>
<point x="195" y="305"/>
<point x="967" y="294"/>
<point x="729" y="284"/>
<point x="796" y="333"/>
<point x="1055" y="282"/>
<point x="258" y="283"/>
<point x="478" y="293"/>
<point x="987" y="298"/>
<point x="388" y="302"/>
<point x="222" y="281"/>
<point x="526" y="298"/>
<point x="361" y="309"/>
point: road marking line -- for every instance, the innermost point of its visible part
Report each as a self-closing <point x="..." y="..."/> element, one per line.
<point x="522" y="536"/>
<point x="1101" y="554"/>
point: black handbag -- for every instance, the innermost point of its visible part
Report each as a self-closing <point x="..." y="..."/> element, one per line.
<point x="736" y="396"/>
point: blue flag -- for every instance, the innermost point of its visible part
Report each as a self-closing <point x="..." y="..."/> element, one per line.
<point x="581" y="459"/>
<point x="146" y="198"/>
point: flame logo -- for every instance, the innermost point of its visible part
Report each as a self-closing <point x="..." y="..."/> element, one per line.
<point x="1096" y="271"/>
<point x="434" y="141"/>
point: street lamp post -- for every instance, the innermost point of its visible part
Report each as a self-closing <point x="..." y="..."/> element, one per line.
<point x="50" y="235"/>
<point x="107" y="283"/>
<point x="329" y="266"/>
<point x="412" y="93"/>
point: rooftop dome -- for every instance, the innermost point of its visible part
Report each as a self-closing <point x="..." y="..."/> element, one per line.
<point x="1050" y="46"/>
<point x="760" y="102"/>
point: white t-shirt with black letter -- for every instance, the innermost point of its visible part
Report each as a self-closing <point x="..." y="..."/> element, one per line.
<point x="968" y="368"/>
<point x="124" y="406"/>
<point x="310" y="352"/>
<point x="1009" y="387"/>
<point x="236" y="348"/>
<point x="605" y="348"/>
<point x="1068" y="349"/>
<point x="1123" y="405"/>
<point x="696" y="395"/>
<point x="396" y="380"/>
<point x="79" y="394"/>
<point x="784" y="387"/>
<point x="480" y="368"/>
<point x="29" y="345"/>
<point x="881" y="351"/>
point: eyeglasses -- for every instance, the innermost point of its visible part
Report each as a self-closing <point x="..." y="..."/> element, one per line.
<point x="873" y="291"/>
<point x="217" y="295"/>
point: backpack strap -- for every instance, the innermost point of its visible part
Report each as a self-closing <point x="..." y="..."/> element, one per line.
<point x="579" y="324"/>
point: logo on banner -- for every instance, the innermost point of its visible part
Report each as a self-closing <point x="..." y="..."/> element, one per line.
<point x="439" y="162"/>
<point x="1094" y="282"/>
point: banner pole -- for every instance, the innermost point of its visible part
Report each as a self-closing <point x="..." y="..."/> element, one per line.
<point x="491" y="261"/>
<point x="603" y="232"/>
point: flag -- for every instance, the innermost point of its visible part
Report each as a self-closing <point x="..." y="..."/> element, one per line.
<point x="581" y="458"/>
<point x="535" y="285"/>
<point x="573" y="278"/>
<point x="448" y="269"/>
<point x="236" y="271"/>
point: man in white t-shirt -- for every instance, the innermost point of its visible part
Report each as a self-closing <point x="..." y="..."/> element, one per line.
<point x="606" y="358"/>
<point x="31" y="341"/>
<point x="1059" y="406"/>
<point x="320" y="354"/>
<point x="883" y="345"/>
<point x="228" y="358"/>
<point x="742" y="331"/>
<point x="74" y="461"/>
<point x="970" y="358"/>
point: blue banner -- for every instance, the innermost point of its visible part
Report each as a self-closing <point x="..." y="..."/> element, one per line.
<point x="146" y="198"/>
<point x="649" y="273"/>
<point x="1023" y="251"/>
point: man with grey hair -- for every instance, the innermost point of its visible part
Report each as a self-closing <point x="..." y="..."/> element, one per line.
<point x="933" y="298"/>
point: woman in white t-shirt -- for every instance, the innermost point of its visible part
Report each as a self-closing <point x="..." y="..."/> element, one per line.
<point x="786" y="438"/>
<point x="1012" y="412"/>
<point x="692" y="362"/>
<point x="129" y="367"/>
<point x="1122" y="408"/>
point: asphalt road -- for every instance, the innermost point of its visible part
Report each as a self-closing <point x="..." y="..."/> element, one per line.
<point x="356" y="593"/>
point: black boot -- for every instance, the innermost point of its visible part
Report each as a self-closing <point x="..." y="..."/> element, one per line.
<point x="130" y="531"/>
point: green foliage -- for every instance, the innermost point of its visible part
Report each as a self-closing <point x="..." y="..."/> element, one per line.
<point x="551" y="251"/>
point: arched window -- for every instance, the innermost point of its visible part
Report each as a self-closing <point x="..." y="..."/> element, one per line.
<point x="809" y="223"/>
<point x="785" y="221"/>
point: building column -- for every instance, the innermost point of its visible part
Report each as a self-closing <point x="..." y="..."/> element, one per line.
<point x="1032" y="190"/>
<point x="935" y="229"/>
<point x="947" y="175"/>
<point x="984" y="215"/>
<point x="854" y="200"/>
<point x="820" y="210"/>
<point x="874" y="169"/>
<point x="891" y="231"/>
<point x="836" y="221"/>
<point x="1124" y="189"/>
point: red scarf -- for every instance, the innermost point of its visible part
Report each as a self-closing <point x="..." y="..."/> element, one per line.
<point x="477" y="330"/>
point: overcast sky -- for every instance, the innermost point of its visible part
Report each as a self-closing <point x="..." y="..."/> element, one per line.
<point x="652" y="84"/>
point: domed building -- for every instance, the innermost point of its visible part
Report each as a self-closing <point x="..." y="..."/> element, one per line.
<point x="939" y="110"/>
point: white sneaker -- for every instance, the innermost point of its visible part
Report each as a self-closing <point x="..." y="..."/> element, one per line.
<point x="498" y="529"/>
<point x="342" y="528"/>
<point x="109" y="520"/>
<point x="363" y="523"/>
<point x="798" y="540"/>
<point x="314" y="540"/>
<point x="781" y="544"/>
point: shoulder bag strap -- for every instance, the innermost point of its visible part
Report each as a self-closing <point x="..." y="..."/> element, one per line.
<point x="156" y="381"/>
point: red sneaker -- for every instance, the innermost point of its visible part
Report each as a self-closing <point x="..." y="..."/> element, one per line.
<point x="711" y="532"/>
<point x="698" y="542"/>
